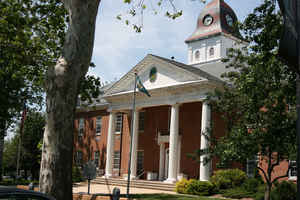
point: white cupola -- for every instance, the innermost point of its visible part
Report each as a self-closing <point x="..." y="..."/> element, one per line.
<point x="215" y="33"/>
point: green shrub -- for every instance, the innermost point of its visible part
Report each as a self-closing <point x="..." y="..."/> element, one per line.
<point x="237" y="193"/>
<point x="181" y="186"/>
<point x="201" y="188"/>
<point x="259" y="196"/>
<point x="284" y="190"/>
<point x="76" y="175"/>
<point x="9" y="182"/>
<point x="251" y="185"/>
<point x="229" y="178"/>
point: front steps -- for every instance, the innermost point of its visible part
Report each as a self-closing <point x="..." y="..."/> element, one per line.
<point x="154" y="185"/>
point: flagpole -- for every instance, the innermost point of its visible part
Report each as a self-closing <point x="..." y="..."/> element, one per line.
<point x="131" y="134"/>
<point x="20" y="140"/>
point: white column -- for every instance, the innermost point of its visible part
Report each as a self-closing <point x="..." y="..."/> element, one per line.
<point x="179" y="156"/>
<point x="135" y="139"/>
<point x="110" y="145"/>
<point x="161" y="161"/>
<point x="205" y="131"/>
<point x="172" y="173"/>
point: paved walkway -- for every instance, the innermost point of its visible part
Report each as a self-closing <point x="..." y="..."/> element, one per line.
<point x="107" y="189"/>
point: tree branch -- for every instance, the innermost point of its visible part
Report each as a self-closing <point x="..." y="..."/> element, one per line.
<point x="277" y="162"/>
<point x="264" y="173"/>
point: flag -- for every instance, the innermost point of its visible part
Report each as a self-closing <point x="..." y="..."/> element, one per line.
<point x="288" y="41"/>
<point x="141" y="87"/>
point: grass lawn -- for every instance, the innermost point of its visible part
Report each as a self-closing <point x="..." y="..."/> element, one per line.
<point x="169" y="197"/>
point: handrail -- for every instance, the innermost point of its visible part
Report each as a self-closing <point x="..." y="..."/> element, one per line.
<point x="142" y="173"/>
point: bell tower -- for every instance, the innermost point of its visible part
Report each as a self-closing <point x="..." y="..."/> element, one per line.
<point x="214" y="34"/>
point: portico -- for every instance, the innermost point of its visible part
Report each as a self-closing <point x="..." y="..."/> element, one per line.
<point x="174" y="95"/>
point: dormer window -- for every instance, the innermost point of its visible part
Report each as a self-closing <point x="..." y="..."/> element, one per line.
<point x="197" y="55"/>
<point x="211" y="52"/>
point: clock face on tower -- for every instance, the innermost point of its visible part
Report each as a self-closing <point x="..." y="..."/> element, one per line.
<point x="229" y="20"/>
<point x="207" y="20"/>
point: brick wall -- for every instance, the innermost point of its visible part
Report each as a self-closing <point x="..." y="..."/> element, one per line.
<point x="156" y="118"/>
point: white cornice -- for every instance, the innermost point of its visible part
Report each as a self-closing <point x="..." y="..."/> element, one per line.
<point x="184" y="84"/>
<point x="194" y="92"/>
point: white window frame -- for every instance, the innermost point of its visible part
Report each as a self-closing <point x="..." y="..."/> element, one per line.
<point x="195" y="55"/>
<point x="79" y="158"/>
<point x="78" y="102"/>
<point x="211" y="52"/>
<point x="140" y="161"/>
<point x="96" y="158"/>
<point x="119" y="123"/>
<point x="80" y="127"/>
<point x="294" y="163"/>
<point x="98" y="125"/>
<point x="250" y="169"/>
<point x="116" y="160"/>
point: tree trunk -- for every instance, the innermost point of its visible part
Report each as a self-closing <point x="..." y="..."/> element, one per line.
<point x="2" y="135"/>
<point x="62" y="82"/>
<point x="268" y="191"/>
<point x="1" y="153"/>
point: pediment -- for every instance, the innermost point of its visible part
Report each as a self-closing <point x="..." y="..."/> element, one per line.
<point x="165" y="73"/>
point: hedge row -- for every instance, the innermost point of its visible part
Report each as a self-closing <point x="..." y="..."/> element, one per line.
<point x="233" y="183"/>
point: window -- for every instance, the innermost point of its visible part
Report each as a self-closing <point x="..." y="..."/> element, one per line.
<point x="141" y="121"/>
<point x="78" y="101"/>
<point x="119" y="121"/>
<point x="117" y="160"/>
<point x="197" y="55"/>
<point x="140" y="162"/>
<point x="96" y="158"/>
<point x="293" y="170"/>
<point x="81" y="127"/>
<point x="251" y="166"/>
<point x="191" y="55"/>
<point x="98" y="125"/>
<point x="211" y="52"/>
<point x="78" y="158"/>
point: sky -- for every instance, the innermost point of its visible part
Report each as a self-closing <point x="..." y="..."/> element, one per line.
<point x="118" y="47"/>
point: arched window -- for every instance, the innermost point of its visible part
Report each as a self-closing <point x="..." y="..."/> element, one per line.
<point x="211" y="51"/>
<point x="197" y="55"/>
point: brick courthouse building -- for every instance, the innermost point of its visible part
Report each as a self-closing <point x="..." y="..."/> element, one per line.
<point x="167" y="125"/>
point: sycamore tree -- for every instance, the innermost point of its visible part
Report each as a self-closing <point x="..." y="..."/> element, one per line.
<point x="258" y="104"/>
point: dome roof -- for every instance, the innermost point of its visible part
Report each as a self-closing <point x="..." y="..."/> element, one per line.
<point x="216" y="17"/>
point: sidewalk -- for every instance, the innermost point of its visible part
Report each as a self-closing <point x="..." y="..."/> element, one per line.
<point x="107" y="189"/>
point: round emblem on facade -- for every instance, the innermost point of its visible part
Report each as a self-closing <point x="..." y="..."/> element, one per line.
<point x="153" y="74"/>
<point x="229" y="20"/>
<point x="208" y="20"/>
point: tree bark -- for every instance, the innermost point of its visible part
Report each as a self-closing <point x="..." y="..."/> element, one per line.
<point x="62" y="83"/>
<point x="2" y="134"/>
<point x="268" y="192"/>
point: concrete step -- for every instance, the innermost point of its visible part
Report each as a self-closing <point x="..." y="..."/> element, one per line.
<point x="157" y="185"/>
